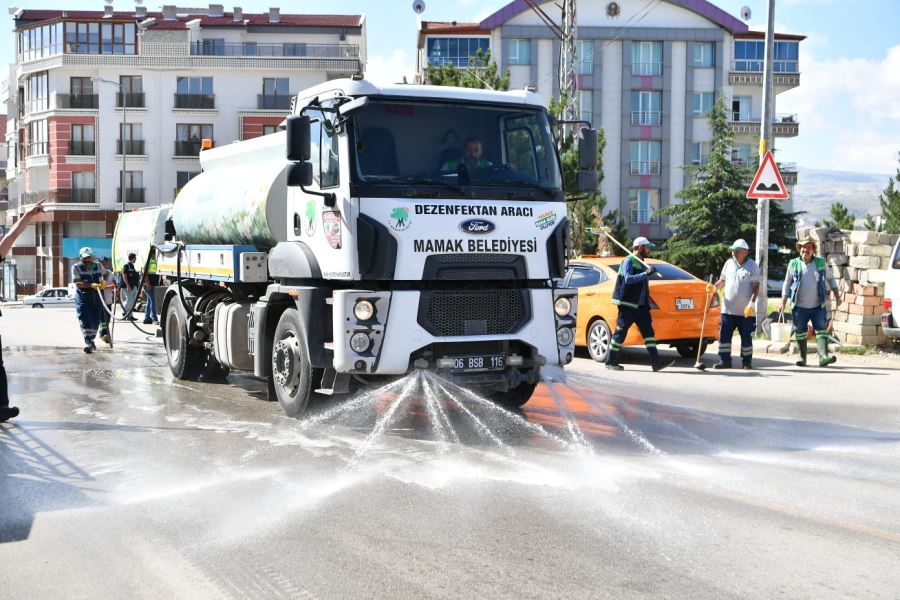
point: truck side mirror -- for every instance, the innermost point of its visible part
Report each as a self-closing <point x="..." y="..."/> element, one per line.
<point x="587" y="179"/>
<point x="300" y="174"/>
<point x="298" y="138"/>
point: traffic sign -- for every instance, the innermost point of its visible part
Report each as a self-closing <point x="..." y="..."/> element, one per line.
<point x="768" y="182"/>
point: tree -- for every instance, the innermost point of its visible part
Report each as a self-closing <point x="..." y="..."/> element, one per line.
<point x="870" y="223"/>
<point x="586" y="210"/>
<point x="841" y="218"/>
<point x="890" y="204"/>
<point x="481" y="73"/>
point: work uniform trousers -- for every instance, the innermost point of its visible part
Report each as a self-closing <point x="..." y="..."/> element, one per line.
<point x="745" y="327"/>
<point x="818" y="316"/>
<point x="88" y="312"/>
<point x="4" y="392"/>
<point x="633" y="316"/>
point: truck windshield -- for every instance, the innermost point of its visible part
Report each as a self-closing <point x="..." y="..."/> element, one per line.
<point x="455" y="145"/>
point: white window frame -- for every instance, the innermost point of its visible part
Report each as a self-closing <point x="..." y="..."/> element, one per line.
<point x="647" y="215"/>
<point x="646" y="163"/>
<point x="705" y="106"/>
<point x="700" y="153"/>
<point x="514" y="58"/>
<point x="707" y="54"/>
<point x="645" y="115"/>
<point x="585" y="58"/>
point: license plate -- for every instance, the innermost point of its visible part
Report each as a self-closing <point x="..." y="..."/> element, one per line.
<point x="684" y="304"/>
<point x="476" y="364"/>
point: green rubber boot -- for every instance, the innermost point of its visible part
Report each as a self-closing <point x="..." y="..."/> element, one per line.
<point x="822" y="345"/>
<point x="801" y="345"/>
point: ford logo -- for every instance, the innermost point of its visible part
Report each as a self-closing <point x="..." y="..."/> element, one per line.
<point x="476" y="226"/>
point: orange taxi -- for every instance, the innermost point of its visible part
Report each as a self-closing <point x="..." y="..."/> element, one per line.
<point x="676" y="301"/>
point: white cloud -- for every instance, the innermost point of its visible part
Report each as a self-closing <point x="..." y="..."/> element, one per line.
<point x="849" y="111"/>
<point x="392" y="68"/>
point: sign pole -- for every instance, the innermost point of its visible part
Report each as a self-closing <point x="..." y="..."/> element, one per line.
<point x="765" y="144"/>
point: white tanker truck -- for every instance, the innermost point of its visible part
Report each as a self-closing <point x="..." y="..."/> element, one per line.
<point x="386" y="229"/>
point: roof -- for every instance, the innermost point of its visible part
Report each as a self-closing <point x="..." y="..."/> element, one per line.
<point x="29" y="17"/>
<point x="450" y="27"/>
<point x="701" y="7"/>
<point x="761" y="35"/>
<point x="349" y="87"/>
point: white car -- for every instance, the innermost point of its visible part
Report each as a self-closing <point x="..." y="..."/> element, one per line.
<point x="51" y="297"/>
<point x="890" y="319"/>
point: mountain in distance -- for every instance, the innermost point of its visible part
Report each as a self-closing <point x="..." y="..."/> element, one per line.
<point x="817" y="189"/>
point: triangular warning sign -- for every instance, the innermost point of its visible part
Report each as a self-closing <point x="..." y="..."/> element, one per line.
<point x="768" y="182"/>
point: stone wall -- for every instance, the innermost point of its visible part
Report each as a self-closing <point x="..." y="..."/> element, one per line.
<point x="859" y="261"/>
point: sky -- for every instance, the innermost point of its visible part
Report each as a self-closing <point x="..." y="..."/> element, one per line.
<point x="848" y="101"/>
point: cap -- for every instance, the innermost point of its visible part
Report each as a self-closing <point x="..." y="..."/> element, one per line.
<point x="739" y="245"/>
<point x="805" y="241"/>
<point x="102" y="258"/>
<point x="86" y="251"/>
<point x="642" y="241"/>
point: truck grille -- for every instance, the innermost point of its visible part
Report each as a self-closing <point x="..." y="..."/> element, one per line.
<point x="473" y="312"/>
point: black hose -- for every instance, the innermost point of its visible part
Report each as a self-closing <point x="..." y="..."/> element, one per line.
<point x="188" y="309"/>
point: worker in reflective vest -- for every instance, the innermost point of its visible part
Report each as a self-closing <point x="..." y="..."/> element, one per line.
<point x="88" y="277"/>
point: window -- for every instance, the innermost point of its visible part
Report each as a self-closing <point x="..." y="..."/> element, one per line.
<point x="131" y="91"/>
<point x="455" y="51"/>
<point x="36" y="95"/>
<point x="294" y="49"/>
<point x="267" y="129"/>
<point x="194" y="92"/>
<point x="249" y="48"/>
<point x="38" y="42"/>
<point x="701" y="103"/>
<point x="740" y="108"/>
<point x="37" y="138"/>
<point x="704" y="54"/>
<point x="743" y="155"/>
<point x="82" y="93"/>
<point x="132" y="186"/>
<point x="667" y="272"/>
<point x="519" y="52"/>
<point x="699" y="153"/>
<point x="586" y="105"/>
<point x="646" y="58"/>
<point x="210" y="47"/>
<point x="133" y="136"/>
<point x="644" y="204"/>
<point x="275" y="94"/>
<point x="586" y="276"/>
<point x="585" y="57"/>
<point x="83" y="180"/>
<point x="100" y="38"/>
<point x="182" y="177"/>
<point x="645" y="157"/>
<point x="646" y="108"/>
<point x="749" y="55"/>
<point x="324" y="155"/>
<point x="188" y="137"/>
<point x="82" y="140"/>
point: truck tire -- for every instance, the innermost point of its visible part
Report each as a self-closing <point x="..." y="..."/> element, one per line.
<point x="292" y="375"/>
<point x="516" y="397"/>
<point x="185" y="360"/>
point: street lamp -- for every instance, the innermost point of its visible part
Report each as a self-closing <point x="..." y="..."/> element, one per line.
<point x="122" y="135"/>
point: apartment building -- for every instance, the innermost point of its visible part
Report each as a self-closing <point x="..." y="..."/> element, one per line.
<point x="647" y="74"/>
<point x="109" y="106"/>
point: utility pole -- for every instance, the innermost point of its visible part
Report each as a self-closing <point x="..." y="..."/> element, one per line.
<point x="765" y="143"/>
<point x="568" y="61"/>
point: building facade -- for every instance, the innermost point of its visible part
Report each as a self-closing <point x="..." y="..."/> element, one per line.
<point x="108" y="106"/>
<point x="646" y="77"/>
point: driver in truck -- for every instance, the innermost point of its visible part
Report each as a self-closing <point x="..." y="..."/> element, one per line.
<point x="471" y="158"/>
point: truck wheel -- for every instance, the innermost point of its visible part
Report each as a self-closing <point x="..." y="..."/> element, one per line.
<point x="185" y="360"/>
<point x="292" y="374"/>
<point x="516" y="397"/>
<point x="598" y="340"/>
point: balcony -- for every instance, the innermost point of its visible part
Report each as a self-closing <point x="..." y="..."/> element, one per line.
<point x="130" y="100"/>
<point x="785" y="73"/>
<point x="646" y="118"/>
<point x="644" y="69"/>
<point x="187" y="148"/>
<point x="644" y="216"/>
<point x="131" y="147"/>
<point x="64" y="196"/>
<point x="269" y="102"/>
<point x="254" y="50"/>
<point x="78" y="101"/>
<point x="195" y="101"/>
<point x="782" y="125"/>
<point x="788" y="172"/>
<point x="82" y="148"/>
<point x="645" y="167"/>
<point x="132" y="195"/>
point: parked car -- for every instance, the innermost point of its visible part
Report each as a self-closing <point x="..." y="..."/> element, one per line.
<point x="890" y="319"/>
<point x="776" y="280"/>
<point x="677" y="301"/>
<point x="59" y="296"/>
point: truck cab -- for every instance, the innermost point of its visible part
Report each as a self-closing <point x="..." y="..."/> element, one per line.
<point x="392" y="228"/>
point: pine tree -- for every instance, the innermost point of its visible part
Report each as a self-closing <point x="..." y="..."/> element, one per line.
<point x="890" y="204"/>
<point x="714" y="210"/>
<point x="841" y="217"/>
<point x="870" y="223"/>
<point x="482" y="73"/>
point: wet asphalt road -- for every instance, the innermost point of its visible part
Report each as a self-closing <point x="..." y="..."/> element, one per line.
<point x="117" y="481"/>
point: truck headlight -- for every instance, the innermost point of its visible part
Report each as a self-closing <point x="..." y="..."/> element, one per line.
<point x="564" y="336"/>
<point x="363" y="310"/>
<point x="360" y="342"/>
<point x="562" y="306"/>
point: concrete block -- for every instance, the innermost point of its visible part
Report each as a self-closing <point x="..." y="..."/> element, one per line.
<point x="859" y="309"/>
<point x="826" y="248"/>
<point x="865" y="262"/>
<point x="876" y="275"/>
<point x="887" y="238"/>
<point x="874" y="250"/>
<point x="820" y="234"/>
<point x="885" y="262"/>
<point x="864" y="237"/>
<point x="850" y="298"/>
<point x="868" y="300"/>
<point x="843" y="316"/>
<point x="846" y="327"/>
<point x="850" y="249"/>
<point x="836" y="259"/>
<point x="852" y="273"/>
<point x="863" y="319"/>
<point x="864" y="290"/>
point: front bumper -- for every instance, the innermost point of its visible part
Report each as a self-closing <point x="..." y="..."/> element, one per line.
<point x="400" y="343"/>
